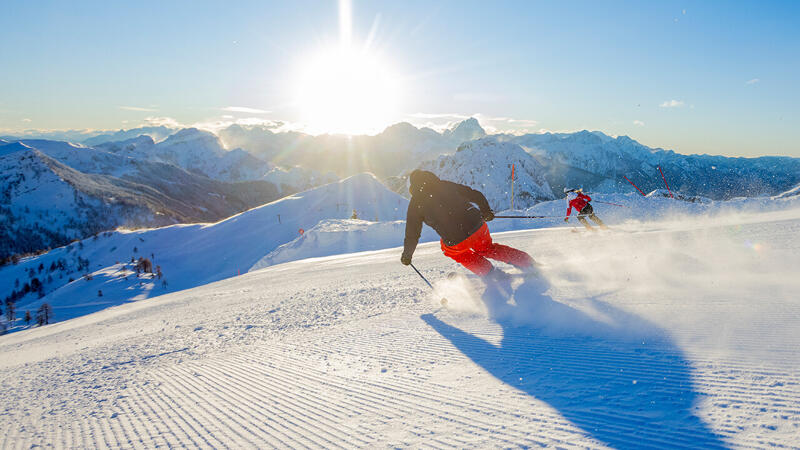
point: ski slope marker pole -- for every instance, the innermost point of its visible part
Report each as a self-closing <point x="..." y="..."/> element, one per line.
<point x="637" y="187"/>
<point x="512" y="186"/>
<point x="443" y="301"/>
<point x="665" y="182"/>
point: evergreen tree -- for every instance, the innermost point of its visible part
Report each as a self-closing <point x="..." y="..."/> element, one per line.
<point x="44" y="314"/>
<point x="144" y="265"/>
<point x="27" y="317"/>
<point x="10" y="311"/>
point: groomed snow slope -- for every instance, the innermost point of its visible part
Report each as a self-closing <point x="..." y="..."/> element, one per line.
<point x="679" y="333"/>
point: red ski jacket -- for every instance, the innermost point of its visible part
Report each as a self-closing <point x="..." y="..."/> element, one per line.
<point x="578" y="203"/>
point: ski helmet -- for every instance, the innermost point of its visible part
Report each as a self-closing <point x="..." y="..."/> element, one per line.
<point x="418" y="179"/>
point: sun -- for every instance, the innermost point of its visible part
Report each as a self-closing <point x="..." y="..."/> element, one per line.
<point x="345" y="90"/>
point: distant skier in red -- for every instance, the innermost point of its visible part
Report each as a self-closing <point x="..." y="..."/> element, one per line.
<point x="584" y="208"/>
<point x="458" y="214"/>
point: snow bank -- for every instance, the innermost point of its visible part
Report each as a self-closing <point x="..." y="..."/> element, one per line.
<point x="793" y="192"/>
<point x="332" y="237"/>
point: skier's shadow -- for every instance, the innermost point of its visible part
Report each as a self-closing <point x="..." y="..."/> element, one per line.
<point x="614" y="375"/>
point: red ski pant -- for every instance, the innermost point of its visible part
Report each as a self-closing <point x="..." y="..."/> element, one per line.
<point x="473" y="251"/>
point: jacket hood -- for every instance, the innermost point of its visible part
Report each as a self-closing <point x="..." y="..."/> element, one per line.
<point x="419" y="179"/>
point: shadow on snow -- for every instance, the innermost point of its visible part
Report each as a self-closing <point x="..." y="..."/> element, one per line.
<point x="614" y="375"/>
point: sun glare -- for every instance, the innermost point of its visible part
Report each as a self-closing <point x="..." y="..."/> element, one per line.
<point x="347" y="91"/>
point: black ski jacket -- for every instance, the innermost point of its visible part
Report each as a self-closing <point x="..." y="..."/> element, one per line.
<point x="447" y="207"/>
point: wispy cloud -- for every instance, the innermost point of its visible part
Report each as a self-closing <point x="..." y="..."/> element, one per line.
<point x="224" y="121"/>
<point x="244" y="109"/>
<point x="214" y="125"/>
<point x="137" y="108"/>
<point x="638" y="123"/>
<point x="421" y="115"/>
<point x="26" y="120"/>
<point x="672" y="104"/>
<point x="753" y="81"/>
<point x="523" y="122"/>
<point x="162" y="121"/>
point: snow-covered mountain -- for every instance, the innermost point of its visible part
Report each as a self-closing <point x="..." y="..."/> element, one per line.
<point x="398" y="148"/>
<point x="466" y="130"/>
<point x="82" y="158"/>
<point x="599" y="162"/>
<point x="93" y="137"/>
<point x="202" y="152"/>
<point x="189" y="255"/>
<point x="592" y="160"/>
<point x="47" y="203"/>
<point x="55" y="135"/>
<point x="485" y="165"/>
<point x="191" y="149"/>
<point x="158" y="133"/>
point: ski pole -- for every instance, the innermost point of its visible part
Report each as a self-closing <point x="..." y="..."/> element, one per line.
<point x="528" y="217"/>
<point x="609" y="203"/>
<point x="421" y="276"/>
<point x="443" y="301"/>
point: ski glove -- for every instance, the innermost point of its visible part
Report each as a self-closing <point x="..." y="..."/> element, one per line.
<point x="566" y="219"/>
<point x="405" y="259"/>
<point x="488" y="215"/>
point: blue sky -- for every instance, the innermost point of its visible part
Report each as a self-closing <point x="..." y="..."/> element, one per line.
<point x="696" y="77"/>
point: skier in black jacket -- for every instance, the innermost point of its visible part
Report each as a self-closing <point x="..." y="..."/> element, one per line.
<point x="450" y="209"/>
